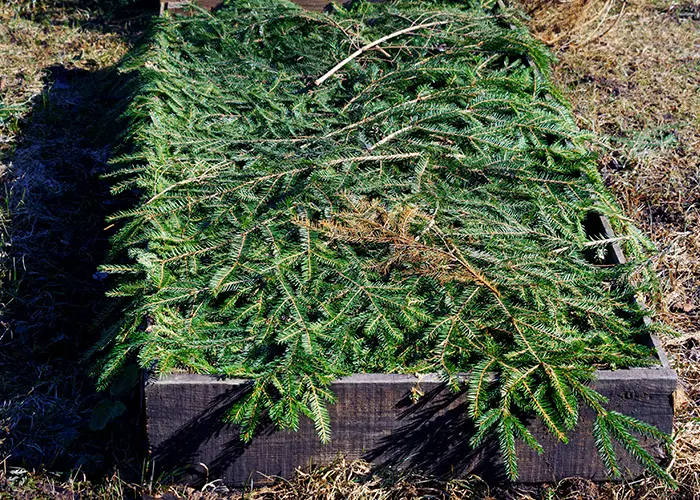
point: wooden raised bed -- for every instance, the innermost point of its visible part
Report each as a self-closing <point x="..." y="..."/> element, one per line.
<point x="375" y="419"/>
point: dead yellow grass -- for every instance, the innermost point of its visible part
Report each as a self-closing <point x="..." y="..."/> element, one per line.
<point x="29" y="48"/>
<point x="35" y="394"/>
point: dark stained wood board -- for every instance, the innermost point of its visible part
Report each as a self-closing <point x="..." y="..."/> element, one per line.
<point x="376" y="420"/>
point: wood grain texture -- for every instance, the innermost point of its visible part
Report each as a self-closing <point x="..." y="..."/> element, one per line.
<point x="375" y="419"/>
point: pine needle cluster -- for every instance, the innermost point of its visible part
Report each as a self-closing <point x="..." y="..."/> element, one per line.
<point x="418" y="208"/>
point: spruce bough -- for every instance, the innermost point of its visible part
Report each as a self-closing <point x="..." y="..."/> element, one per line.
<point x="417" y="208"/>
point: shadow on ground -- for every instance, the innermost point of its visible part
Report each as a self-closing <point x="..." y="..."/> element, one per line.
<point x="55" y="298"/>
<point x="124" y="17"/>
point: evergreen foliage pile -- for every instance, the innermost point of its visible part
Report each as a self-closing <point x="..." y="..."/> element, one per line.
<point x="415" y="209"/>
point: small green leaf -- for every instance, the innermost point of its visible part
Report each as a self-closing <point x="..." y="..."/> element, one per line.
<point x="125" y="381"/>
<point x="106" y="411"/>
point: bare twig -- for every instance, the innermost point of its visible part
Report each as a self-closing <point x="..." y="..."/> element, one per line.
<point x="370" y="46"/>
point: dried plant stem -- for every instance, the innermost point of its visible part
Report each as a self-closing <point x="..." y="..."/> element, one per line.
<point x="370" y="46"/>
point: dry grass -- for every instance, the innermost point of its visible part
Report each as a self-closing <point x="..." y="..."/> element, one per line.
<point x="18" y="484"/>
<point x="28" y="47"/>
<point x="632" y="71"/>
<point x="340" y="481"/>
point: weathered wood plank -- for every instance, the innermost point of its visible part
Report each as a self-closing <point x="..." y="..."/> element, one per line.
<point x="376" y="420"/>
